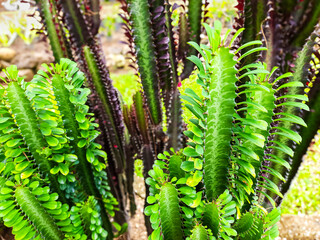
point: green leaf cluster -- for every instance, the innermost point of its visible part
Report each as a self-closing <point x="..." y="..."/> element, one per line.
<point x="53" y="179"/>
<point x="213" y="188"/>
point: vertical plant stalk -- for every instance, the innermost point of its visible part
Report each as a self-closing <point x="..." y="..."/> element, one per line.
<point x="27" y="121"/>
<point x="300" y="75"/>
<point x="110" y="120"/>
<point x="37" y="214"/>
<point x="311" y="118"/>
<point x="83" y="168"/>
<point x="171" y="46"/>
<point x="173" y="104"/>
<point x="174" y="121"/>
<point x="170" y="213"/>
<point x="194" y="20"/>
<point x="145" y="51"/>
<point x="183" y="37"/>
<point x="59" y="44"/>
<point x="100" y="88"/>
<point x="222" y="91"/>
<point x="95" y="16"/>
<point x="76" y="23"/>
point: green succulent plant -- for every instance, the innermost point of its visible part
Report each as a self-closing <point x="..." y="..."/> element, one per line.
<point x="259" y="122"/>
<point x="213" y="188"/>
<point x="52" y="181"/>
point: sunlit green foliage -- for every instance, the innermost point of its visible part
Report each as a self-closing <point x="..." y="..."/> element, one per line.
<point x="54" y="180"/>
<point x="218" y="179"/>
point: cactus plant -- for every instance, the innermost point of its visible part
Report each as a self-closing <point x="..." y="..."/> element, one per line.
<point x="216" y="188"/>
<point x="153" y="124"/>
<point x="151" y="38"/>
<point x="53" y="183"/>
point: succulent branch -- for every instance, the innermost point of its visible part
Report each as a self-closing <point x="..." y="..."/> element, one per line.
<point x="194" y="23"/>
<point x="146" y="57"/>
<point x="211" y="182"/>
<point x="51" y="145"/>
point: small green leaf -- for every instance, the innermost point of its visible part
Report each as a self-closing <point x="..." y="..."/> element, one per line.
<point x="190" y="152"/>
<point x="258" y="49"/>
<point x="254" y="138"/>
<point x="193" y="180"/>
<point x="260" y="124"/>
<point x="90" y="156"/>
<point x="54" y="170"/>
<point x="6" y="204"/>
<point x="291" y="84"/>
<point x="58" y="131"/>
<point x="27" y="174"/>
<point x="52" y="141"/>
<point x="230" y="231"/>
<point x="21" y="166"/>
<point x="187" y="200"/>
<point x="282" y="147"/>
<point x="274" y="173"/>
<point x="291" y="118"/>
<point x="13" y="152"/>
<point x="5" y="138"/>
<point x="4" y="119"/>
<point x="189" y="134"/>
<point x="247" y="152"/>
<point x="181" y="181"/>
<point x="187" y="166"/>
<point x="199" y="149"/>
<point x="197" y="201"/>
<point x="294" y="136"/>
<point x="198" y="163"/>
<point x="45" y="130"/>
<point x="247" y="166"/>
<point x="162" y="156"/>
<point x="295" y="96"/>
<point x="187" y="211"/>
<point x="186" y="190"/>
<point x="70" y="157"/>
<point x="13" y="142"/>
<point x="295" y="104"/>
<point x="34" y="185"/>
<point x="151" y="199"/>
<point x="63" y="168"/>
<point x="6" y="190"/>
<point x="38" y="191"/>
<point x="62" y="179"/>
<point x="148" y="210"/>
<point x="197" y="62"/>
<point x="248" y="44"/>
<point x="80" y="117"/>
<point x="50" y="205"/>
<point x="58" y="158"/>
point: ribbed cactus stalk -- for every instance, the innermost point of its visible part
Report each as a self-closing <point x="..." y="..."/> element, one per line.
<point x="219" y="179"/>
<point x="284" y="30"/>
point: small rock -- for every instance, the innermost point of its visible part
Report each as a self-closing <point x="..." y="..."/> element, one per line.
<point x="27" y="74"/>
<point x="119" y="61"/>
<point x="110" y="60"/>
<point x="31" y="59"/>
<point x="7" y="54"/>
